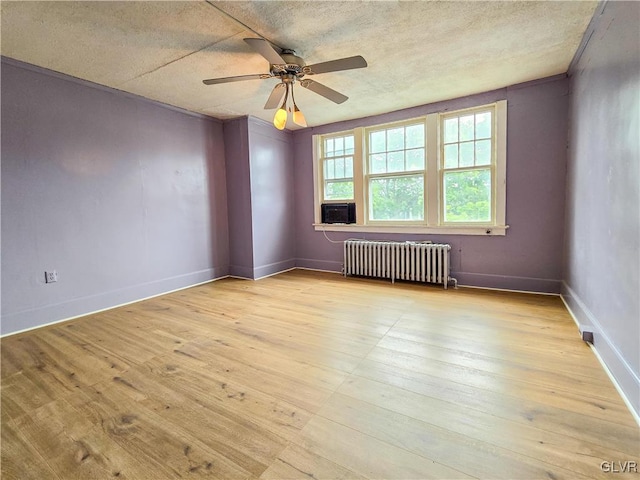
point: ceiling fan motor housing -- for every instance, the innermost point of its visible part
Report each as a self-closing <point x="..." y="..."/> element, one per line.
<point x="294" y="65"/>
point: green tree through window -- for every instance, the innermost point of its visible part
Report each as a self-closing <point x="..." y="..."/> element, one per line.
<point x="467" y="196"/>
<point x="397" y="198"/>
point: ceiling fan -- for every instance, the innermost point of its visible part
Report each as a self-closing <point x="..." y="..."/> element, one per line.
<point x="288" y="68"/>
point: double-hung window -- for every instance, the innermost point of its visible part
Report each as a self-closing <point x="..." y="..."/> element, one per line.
<point x="441" y="173"/>
<point x="467" y="167"/>
<point x="395" y="172"/>
<point x="337" y="167"/>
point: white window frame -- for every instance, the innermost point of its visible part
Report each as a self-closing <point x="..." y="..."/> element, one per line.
<point x="322" y="158"/>
<point x="433" y="222"/>
<point x="367" y="175"/>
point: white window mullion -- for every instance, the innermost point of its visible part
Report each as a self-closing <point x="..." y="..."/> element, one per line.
<point x="500" y="189"/>
<point x="359" y="193"/>
<point x="432" y="176"/>
<point x="318" y="179"/>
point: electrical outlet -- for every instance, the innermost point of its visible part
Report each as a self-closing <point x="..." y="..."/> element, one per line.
<point x="587" y="334"/>
<point x="51" y="277"/>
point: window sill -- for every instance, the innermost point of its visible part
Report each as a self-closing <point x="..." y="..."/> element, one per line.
<point x="487" y="230"/>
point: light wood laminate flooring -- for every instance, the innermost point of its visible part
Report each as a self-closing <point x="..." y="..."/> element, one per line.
<point x="310" y="375"/>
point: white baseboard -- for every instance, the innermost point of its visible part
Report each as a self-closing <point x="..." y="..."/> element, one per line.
<point x="318" y="270"/>
<point x="76" y="308"/>
<point x="625" y="380"/>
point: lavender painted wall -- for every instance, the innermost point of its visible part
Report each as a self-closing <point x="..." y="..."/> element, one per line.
<point x="602" y="259"/>
<point x="529" y="257"/>
<point x="236" y="146"/>
<point x="123" y="197"/>
<point x="272" y="198"/>
<point x="260" y="198"/>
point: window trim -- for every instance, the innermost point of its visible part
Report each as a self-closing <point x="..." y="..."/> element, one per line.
<point x="433" y="222"/>
<point x="492" y="167"/>
<point x="322" y="158"/>
<point x="367" y="176"/>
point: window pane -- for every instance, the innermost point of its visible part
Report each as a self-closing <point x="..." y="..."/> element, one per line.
<point x="483" y="125"/>
<point x="338" y="190"/>
<point x="467" y="196"/>
<point x="466" y="127"/>
<point x="451" y="130"/>
<point x="415" y="159"/>
<point x="395" y="139"/>
<point x="348" y="145"/>
<point x="397" y="198"/>
<point x="328" y="169"/>
<point x="483" y="152"/>
<point x="378" y="163"/>
<point x="328" y="147"/>
<point x="415" y="136"/>
<point x="395" y="162"/>
<point x="451" y="156"/>
<point x="348" y="167"/>
<point x="339" y="167"/>
<point x="377" y="142"/>
<point x="466" y="154"/>
<point x="339" y="146"/>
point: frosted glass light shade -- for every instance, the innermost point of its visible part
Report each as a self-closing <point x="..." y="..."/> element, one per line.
<point x="280" y="119"/>
<point x="298" y="117"/>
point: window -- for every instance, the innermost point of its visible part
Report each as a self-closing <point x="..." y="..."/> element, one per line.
<point x="337" y="167"/>
<point x="442" y="173"/>
<point x="396" y="172"/>
<point x="468" y="165"/>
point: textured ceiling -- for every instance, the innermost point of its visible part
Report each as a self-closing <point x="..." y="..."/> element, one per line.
<point x="418" y="51"/>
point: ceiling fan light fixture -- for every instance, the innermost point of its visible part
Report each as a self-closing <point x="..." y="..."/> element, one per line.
<point x="298" y="116"/>
<point x="280" y="118"/>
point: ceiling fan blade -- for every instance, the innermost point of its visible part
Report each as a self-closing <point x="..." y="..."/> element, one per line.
<point x="265" y="49"/>
<point x="240" y="78"/>
<point x="336" y="65"/>
<point x="275" y="97"/>
<point x="323" y="90"/>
